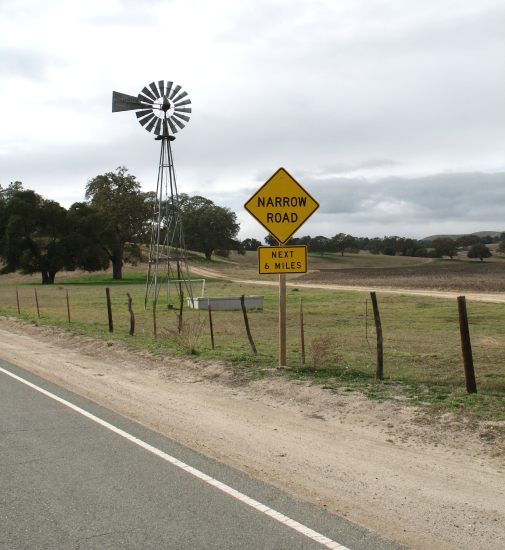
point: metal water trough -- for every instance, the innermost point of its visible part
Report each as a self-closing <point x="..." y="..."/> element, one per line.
<point x="225" y="303"/>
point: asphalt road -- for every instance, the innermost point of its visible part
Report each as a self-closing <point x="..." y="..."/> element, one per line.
<point x="69" y="481"/>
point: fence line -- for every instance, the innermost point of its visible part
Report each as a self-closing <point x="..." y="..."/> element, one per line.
<point x="407" y="342"/>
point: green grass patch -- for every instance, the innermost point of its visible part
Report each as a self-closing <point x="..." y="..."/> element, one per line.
<point x="104" y="279"/>
<point x="422" y="354"/>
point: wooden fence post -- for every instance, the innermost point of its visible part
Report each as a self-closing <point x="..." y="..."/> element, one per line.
<point x="37" y="302"/>
<point x="246" y="321"/>
<point x="302" y="332"/>
<point x="68" y="305"/>
<point x="132" y="315"/>
<point x="109" y="310"/>
<point x="155" y="328"/>
<point x="211" y="326"/>
<point x="17" y="300"/>
<point x="181" y="306"/>
<point x="366" y="319"/>
<point x="379" y="370"/>
<point x="466" y="346"/>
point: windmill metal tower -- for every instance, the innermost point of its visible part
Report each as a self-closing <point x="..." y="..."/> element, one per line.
<point x="163" y="109"/>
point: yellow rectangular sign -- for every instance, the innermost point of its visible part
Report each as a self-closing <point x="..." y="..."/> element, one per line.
<point x="282" y="259"/>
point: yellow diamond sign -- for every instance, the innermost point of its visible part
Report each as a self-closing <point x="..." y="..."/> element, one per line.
<point x="281" y="205"/>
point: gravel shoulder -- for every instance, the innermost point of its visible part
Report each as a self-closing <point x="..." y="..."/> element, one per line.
<point x="434" y="484"/>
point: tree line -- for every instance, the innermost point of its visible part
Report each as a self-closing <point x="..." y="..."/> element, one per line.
<point x="392" y="245"/>
<point x="113" y="224"/>
<point x="109" y="228"/>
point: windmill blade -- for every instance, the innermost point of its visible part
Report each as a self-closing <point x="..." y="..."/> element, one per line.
<point x="168" y="88"/>
<point x="147" y="119"/>
<point x="174" y="91"/>
<point x="183" y="110"/>
<point x="172" y="127"/>
<point x="179" y="123"/>
<point x="146" y="91"/>
<point x="141" y="114"/>
<point x="145" y="99"/>
<point x="155" y="90"/>
<point x="180" y="96"/>
<point x="157" y="129"/>
<point x="151" y="124"/>
<point x="183" y="117"/>
<point x="185" y="102"/>
<point x="124" y="102"/>
<point x="161" y="86"/>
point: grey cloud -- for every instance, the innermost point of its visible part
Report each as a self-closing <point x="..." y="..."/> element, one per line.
<point x="456" y="198"/>
<point x="393" y="81"/>
<point x="131" y="13"/>
<point x="440" y="197"/>
<point x="63" y="173"/>
<point x="133" y="18"/>
<point x="24" y="63"/>
<point x="345" y="168"/>
<point x="471" y="196"/>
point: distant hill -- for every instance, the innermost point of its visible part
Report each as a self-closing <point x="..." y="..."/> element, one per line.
<point x="477" y="234"/>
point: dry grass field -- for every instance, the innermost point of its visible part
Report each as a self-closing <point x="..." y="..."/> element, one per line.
<point x="369" y="270"/>
<point x="421" y="335"/>
<point x="455" y="275"/>
<point x="246" y="267"/>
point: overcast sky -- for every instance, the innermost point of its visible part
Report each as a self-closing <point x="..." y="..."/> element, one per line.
<point x="391" y="113"/>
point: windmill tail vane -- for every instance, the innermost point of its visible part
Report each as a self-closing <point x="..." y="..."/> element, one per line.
<point x="162" y="107"/>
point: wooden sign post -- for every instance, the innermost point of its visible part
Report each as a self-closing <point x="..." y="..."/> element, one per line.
<point x="282" y="320"/>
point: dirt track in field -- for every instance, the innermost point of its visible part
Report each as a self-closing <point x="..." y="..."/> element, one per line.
<point x="327" y="280"/>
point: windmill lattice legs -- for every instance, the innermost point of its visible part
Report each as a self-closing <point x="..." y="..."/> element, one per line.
<point x="167" y="252"/>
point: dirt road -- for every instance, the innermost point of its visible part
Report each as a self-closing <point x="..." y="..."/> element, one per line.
<point x="427" y="485"/>
<point x="491" y="297"/>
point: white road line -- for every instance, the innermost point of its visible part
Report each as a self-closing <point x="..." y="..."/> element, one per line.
<point x="281" y="518"/>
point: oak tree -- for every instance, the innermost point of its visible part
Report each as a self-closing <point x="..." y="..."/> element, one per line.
<point x="34" y="235"/>
<point x="480" y="251"/>
<point x="122" y="213"/>
<point x="207" y="227"/>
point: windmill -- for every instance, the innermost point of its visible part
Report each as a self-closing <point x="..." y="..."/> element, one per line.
<point x="163" y="109"/>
